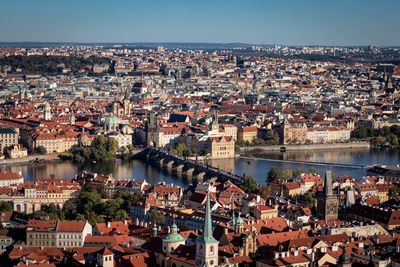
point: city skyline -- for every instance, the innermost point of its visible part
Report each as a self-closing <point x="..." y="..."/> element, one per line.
<point x="343" y="23"/>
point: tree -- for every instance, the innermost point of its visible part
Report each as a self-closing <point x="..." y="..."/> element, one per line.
<point x="40" y="214"/>
<point x="249" y="185"/>
<point x="69" y="210"/>
<point x="5" y="206"/>
<point x="264" y="192"/>
<point x="41" y="150"/>
<point x="275" y="173"/>
<point x="120" y="215"/>
<point x="110" y="207"/>
<point x="156" y="216"/>
<point x="308" y="200"/>
<point x="182" y="150"/>
<point x="128" y="198"/>
<point x="394" y="192"/>
<point x="312" y="170"/>
<point x="103" y="148"/>
<point x="87" y="202"/>
<point x="395" y="129"/>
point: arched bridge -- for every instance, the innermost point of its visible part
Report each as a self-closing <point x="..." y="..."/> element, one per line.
<point x="185" y="168"/>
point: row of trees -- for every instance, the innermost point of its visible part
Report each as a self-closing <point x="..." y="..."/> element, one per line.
<point x="90" y="206"/>
<point x="102" y="149"/>
<point x="260" y="142"/>
<point x="277" y="173"/>
<point x="182" y="150"/>
<point x="52" y="65"/>
<point x="379" y="136"/>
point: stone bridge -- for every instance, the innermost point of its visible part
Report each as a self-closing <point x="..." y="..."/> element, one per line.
<point x="184" y="168"/>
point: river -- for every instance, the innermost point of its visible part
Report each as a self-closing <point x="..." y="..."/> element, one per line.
<point x="258" y="168"/>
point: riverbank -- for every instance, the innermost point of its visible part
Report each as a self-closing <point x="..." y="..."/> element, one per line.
<point x="31" y="159"/>
<point x="349" y="145"/>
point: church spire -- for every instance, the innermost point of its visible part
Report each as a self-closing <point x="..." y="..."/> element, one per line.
<point x="328" y="183"/>
<point x="206" y="244"/>
<point x="207" y="230"/>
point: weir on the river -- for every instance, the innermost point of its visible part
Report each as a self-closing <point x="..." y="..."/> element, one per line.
<point x="316" y="163"/>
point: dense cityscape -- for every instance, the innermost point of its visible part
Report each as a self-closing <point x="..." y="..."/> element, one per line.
<point x="179" y="154"/>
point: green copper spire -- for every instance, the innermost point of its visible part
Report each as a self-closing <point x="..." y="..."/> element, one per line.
<point x="207" y="230"/>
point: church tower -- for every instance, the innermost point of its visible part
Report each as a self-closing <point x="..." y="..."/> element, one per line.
<point x="327" y="202"/>
<point x="127" y="103"/>
<point x="215" y="123"/>
<point x="207" y="245"/>
<point x="152" y="131"/>
<point x="47" y="112"/>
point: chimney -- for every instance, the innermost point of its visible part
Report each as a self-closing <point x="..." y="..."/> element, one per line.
<point x="361" y="244"/>
<point x="137" y="222"/>
<point x="323" y="250"/>
<point x="276" y="255"/>
<point x="334" y="248"/>
<point x="296" y="253"/>
<point x="141" y="223"/>
<point x="108" y="224"/>
<point x="145" y="224"/>
<point x="126" y="222"/>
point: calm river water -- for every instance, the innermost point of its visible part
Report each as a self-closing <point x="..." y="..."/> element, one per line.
<point x="257" y="168"/>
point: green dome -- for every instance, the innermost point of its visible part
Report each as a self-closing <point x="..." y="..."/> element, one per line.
<point x="173" y="238"/>
<point x="113" y="120"/>
<point x="239" y="220"/>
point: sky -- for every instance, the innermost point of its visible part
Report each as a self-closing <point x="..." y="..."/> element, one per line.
<point x="287" y="22"/>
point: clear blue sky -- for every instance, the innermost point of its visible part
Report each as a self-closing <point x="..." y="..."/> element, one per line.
<point x="292" y="22"/>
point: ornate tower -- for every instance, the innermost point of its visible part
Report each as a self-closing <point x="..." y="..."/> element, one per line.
<point x="215" y="123"/>
<point x="127" y="103"/>
<point x="327" y="202"/>
<point x="47" y="112"/>
<point x="72" y="119"/>
<point x="172" y="240"/>
<point x="207" y="245"/>
<point x="238" y="224"/>
<point x="152" y="130"/>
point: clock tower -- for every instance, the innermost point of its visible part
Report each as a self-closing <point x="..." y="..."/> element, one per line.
<point x="327" y="205"/>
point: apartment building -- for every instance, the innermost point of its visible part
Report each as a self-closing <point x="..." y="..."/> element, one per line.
<point x="10" y="178"/>
<point x="8" y="137"/>
<point x="56" y="233"/>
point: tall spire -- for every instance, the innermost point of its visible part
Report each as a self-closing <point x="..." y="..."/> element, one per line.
<point x="207" y="230"/>
<point x="328" y="183"/>
<point x="206" y="244"/>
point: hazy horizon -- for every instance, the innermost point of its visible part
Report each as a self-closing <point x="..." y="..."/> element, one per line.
<point x="258" y="22"/>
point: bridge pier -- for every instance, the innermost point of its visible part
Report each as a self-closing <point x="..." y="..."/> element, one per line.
<point x="178" y="170"/>
<point x="199" y="177"/>
<point x="188" y="174"/>
<point x="168" y="165"/>
<point x="161" y="163"/>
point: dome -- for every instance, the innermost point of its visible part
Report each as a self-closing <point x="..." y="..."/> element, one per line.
<point x="239" y="220"/>
<point x="174" y="236"/>
<point x="113" y="120"/>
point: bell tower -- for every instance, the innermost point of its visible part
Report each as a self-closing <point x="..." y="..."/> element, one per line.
<point x="327" y="201"/>
<point x="47" y="112"/>
<point x="152" y="131"/>
<point x="207" y="245"/>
